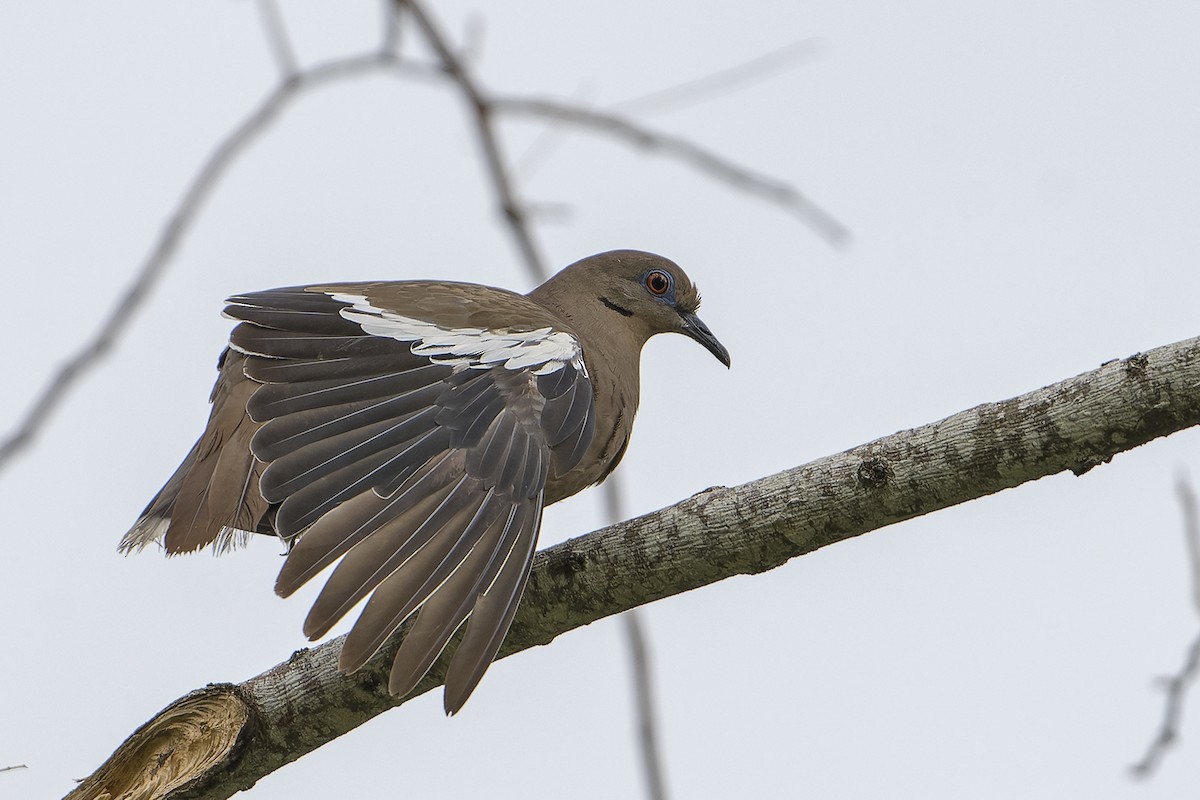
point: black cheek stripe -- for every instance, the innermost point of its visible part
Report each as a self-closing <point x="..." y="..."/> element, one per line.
<point x="625" y="312"/>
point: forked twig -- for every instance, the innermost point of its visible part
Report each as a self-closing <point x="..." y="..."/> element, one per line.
<point x="1175" y="687"/>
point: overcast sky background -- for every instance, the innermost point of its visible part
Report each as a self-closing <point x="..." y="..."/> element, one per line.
<point x="1022" y="180"/>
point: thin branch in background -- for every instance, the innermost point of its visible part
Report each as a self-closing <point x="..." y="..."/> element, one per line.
<point x="721" y="83"/>
<point x="1191" y="533"/>
<point x="549" y="138"/>
<point x="1176" y="686"/>
<point x="643" y="697"/>
<point x="639" y="659"/>
<point x="690" y="93"/>
<point x="391" y="27"/>
<point x="14" y="766"/>
<point x="474" y="39"/>
<point x="482" y="111"/>
<point x="551" y="212"/>
<point x="278" y="41"/>
<point x="704" y="160"/>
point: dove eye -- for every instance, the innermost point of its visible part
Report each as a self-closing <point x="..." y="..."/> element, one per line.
<point x="657" y="282"/>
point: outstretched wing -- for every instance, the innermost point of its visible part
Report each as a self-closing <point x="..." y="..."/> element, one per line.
<point x="407" y="433"/>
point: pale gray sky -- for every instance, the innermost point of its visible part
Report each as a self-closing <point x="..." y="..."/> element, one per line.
<point x="1023" y="181"/>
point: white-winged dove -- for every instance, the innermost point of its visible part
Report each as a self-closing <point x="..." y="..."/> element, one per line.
<point x="415" y="430"/>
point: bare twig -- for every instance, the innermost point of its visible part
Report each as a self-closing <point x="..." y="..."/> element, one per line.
<point x="722" y="82"/>
<point x="482" y="111"/>
<point x="1191" y="533"/>
<point x="1176" y="686"/>
<point x="277" y="37"/>
<point x="700" y="158"/>
<point x="14" y="766"/>
<point x="391" y="27"/>
<point x="548" y="139"/>
<point x="644" y="706"/>
<point x="690" y="93"/>
<point x="474" y="39"/>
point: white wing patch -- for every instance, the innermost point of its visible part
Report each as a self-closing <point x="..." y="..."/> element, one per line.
<point x="477" y="348"/>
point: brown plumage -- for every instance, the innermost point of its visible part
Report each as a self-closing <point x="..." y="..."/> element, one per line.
<point x="412" y="432"/>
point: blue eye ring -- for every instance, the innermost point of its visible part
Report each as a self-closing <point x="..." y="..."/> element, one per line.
<point x="658" y="282"/>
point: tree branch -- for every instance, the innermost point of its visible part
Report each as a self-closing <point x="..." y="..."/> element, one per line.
<point x="294" y="708"/>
